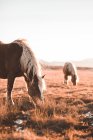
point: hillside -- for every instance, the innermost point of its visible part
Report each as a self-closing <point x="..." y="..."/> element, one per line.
<point x="82" y="63"/>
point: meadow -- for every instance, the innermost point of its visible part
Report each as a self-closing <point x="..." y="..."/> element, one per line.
<point x="66" y="114"/>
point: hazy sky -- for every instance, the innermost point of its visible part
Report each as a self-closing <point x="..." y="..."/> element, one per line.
<point x="58" y="30"/>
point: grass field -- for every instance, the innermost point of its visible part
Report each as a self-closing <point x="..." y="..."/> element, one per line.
<point x="67" y="113"/>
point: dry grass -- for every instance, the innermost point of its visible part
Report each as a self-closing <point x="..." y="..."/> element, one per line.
<point x="65" y="115"/>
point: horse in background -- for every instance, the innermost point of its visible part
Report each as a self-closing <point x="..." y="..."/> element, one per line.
<point x="17" y="59"/>
<point x="69" y="69"/>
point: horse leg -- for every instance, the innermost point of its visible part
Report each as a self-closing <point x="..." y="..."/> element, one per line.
<point x="65" y="79"/>
<point x="30" y="98"/>
<point x="10" y="83"/>
<point x="26" y="81"/>
<point x="73" y="79"/>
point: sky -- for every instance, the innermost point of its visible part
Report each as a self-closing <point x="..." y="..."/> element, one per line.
<point x="57" y="30"/>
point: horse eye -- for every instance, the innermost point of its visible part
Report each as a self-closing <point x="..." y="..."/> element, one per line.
<point x="43" y="76"/>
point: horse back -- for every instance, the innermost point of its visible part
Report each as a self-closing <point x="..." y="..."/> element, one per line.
<point x="10" y="59"/>
<point x="68" y="69"/>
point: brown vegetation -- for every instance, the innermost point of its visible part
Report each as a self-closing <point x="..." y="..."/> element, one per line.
<point x="67" y="113"/>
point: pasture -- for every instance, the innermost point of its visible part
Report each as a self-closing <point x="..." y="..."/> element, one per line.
<point x="67" y="113"/>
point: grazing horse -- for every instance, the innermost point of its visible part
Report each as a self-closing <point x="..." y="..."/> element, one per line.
<point x="70" y="70"/>
<point x="17" y="59"/>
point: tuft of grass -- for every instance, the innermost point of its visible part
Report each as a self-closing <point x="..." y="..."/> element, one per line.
<point x="7" y="115"/>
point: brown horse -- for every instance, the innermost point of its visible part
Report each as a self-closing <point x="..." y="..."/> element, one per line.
<point x="17" y="59"/>
<point x="70" y="70"/>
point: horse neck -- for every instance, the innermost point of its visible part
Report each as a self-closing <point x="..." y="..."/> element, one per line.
<point x="37" y="68"/>
<point x="33" y="70"/>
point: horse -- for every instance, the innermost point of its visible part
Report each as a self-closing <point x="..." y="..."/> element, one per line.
<point x="17" y="59"/>
<point x="69" y="69"/>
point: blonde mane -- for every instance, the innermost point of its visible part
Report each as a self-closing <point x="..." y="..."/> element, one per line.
<point x="28" y="59"/>
<point x="77" y="80"/>
<point x="28" y="62"/>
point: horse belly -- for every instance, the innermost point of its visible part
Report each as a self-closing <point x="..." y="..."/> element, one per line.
<point x="3" y="74"/>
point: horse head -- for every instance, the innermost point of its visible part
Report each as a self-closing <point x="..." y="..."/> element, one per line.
<point x="36" y="87"/>
<point x="74" y="79"/>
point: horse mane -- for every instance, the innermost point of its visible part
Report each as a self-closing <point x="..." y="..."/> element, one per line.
<point x="1" y="42"/>
<point x="75" y="69"/>
<point x="28" y="60"/>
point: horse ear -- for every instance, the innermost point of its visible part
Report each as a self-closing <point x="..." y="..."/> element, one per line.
<point x="26" y="77"/>
<point x="43" y="76"/>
